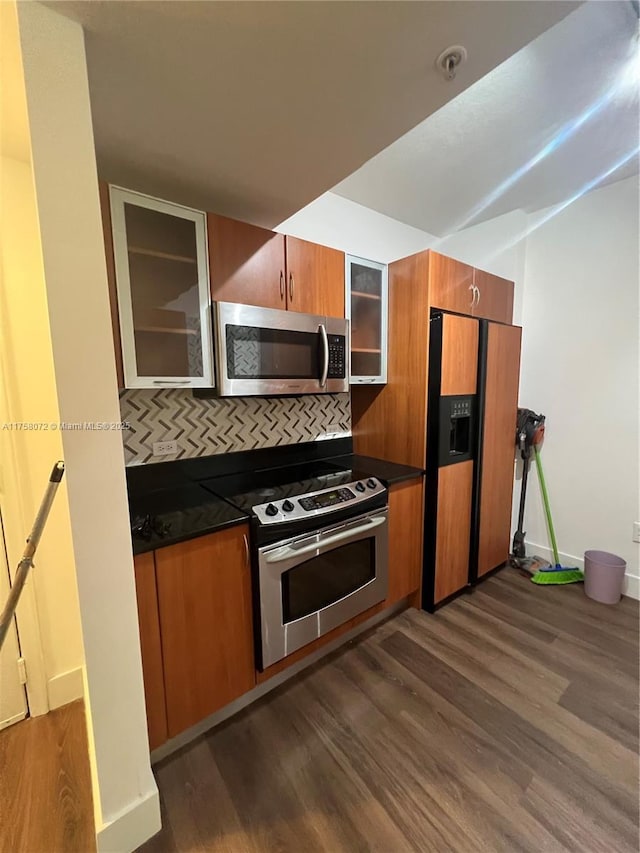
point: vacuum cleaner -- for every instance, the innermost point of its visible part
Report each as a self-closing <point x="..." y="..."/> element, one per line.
<point x="529" y="435"/>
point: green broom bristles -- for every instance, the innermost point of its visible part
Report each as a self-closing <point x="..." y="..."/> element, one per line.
<point x="564" y="576"/>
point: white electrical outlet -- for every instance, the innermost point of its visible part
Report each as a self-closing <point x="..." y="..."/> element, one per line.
<point x="165" y="448"/>
<point x="636" y="531"/>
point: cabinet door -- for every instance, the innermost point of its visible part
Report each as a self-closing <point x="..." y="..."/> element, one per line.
<point x="494" y="297"/>
<point x="315" y="278"/>
<point x="366" y="307"/>
<point x="498" y="448"/>
<point x="105" y="210"/>
<point x="450" y="284"/>
<point x="163" y="292"/>
<point x="453" y="536"/>
<point x="246" y="263"/>
<point x="406" y="522"/>
<point x="151" y="648"/>
<point x="204" y="595"/>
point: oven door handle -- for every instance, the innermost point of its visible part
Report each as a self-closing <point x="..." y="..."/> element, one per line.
<point x="325" y="353"/>
<point x="286" y="553"/>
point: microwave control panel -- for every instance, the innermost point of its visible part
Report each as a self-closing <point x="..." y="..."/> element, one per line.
<point x="337" y="356"/>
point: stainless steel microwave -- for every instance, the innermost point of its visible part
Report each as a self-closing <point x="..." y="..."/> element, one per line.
<point x="262" y="351"/>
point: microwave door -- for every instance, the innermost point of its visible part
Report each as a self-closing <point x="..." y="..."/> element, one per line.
<point x="269" y="352"/>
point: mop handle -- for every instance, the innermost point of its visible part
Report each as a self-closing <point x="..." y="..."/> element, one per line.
<point x="547" y="508"/>
<point x="30" y="549"/>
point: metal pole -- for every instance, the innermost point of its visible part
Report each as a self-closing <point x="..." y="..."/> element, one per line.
<point x="30" y="549"/>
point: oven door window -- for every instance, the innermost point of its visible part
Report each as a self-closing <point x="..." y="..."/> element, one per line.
<point x="323" y="580"/>
<point x="256" y="353"/>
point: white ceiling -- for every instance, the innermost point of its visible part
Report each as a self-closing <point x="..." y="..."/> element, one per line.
<point x="571" y="95"/>
<point x="253" y="109"/>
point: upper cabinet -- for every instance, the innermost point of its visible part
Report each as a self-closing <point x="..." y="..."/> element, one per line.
<point x="450" y="284"/>
<point x="246" y="263"/>
<point x="255" y="266"/>
<point x="458" y="287"/>
<point x="494" y="297"/>
<point x="160" y="254"/>
<point x="315" y="278"/>
<point x="366" y="305"/>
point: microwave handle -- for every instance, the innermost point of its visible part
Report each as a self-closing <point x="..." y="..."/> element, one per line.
<point x="325" y="350"/>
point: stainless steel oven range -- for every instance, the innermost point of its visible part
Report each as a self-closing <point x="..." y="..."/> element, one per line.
<point x="320" y="554"/>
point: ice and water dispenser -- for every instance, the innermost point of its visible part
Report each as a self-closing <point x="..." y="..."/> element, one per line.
<point x="457" y="424"/>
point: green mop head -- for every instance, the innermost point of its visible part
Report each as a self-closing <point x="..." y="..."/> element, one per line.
<point x="558" y="576"/>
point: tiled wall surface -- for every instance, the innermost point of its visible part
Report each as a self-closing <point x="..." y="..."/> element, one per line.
<point x="222" y="425"/>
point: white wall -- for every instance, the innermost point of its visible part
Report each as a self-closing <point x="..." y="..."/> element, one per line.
<point x="125" y="793"/>
<point x="580" y="367"/>
<point x="28" y="396"/>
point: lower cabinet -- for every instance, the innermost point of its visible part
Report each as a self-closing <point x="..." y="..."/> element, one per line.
<point x="405" y="539"/>
<point x="196" y="629"/>
<point x="204" y="599"/>
<point x="151" y="648"/>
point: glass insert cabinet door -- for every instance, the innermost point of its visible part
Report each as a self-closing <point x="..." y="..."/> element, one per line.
<point x="162" y="279"/>
<point x="366" y="304"/>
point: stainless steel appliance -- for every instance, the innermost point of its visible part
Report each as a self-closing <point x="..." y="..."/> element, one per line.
<point x="320" y="549"/>
<point x="262" y="351"/>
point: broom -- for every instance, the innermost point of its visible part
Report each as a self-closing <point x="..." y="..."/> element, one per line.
<point x="556" y="574"/>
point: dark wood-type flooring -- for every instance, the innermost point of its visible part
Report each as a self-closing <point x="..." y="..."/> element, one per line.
<point x="45" y="785"/>
<point x="507" y="721"/>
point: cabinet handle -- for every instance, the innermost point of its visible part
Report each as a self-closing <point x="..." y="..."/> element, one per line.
<point x="281" y="285"/>
<point x="171" y="381"/>
<point x="477" y="295"/>
<point x="291" y="285"/>
<point x="472" y="288"/>
<point x="246" y="549"/>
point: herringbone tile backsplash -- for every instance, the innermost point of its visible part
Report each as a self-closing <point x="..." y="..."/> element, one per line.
<point x="222" y="425"/>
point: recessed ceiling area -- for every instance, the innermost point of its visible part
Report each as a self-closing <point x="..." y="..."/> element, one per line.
<point x="253" y="109"/>
<point x="556" y="119"/>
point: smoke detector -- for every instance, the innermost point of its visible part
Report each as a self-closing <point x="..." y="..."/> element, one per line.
<point x="450" y="60"/>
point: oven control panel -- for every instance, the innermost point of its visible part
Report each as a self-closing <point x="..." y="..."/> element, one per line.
<point x="323" y="499"/>
<point x="321" y="502"/>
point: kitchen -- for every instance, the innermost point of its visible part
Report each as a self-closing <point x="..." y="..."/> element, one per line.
<point x="401" y="409"/>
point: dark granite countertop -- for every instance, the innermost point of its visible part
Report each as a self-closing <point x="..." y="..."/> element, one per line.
<point x="187" y="511"/>
<point x="388" y="472"/>
<point x="179" y="507"/>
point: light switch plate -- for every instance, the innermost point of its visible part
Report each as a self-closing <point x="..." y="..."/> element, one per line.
<point x="165" y="448"/>
<point x="636" y="531"/>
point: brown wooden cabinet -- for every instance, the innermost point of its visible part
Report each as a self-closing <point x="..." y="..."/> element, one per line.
<point x="315" y="278"/>
<point x="405" y="539"/>
<point x="151" y="648"/>
<point x="246" y="263"/>
<point x="254" y="266"/>
<point x="204" y="598"/>
<point x="450" y="284"/>
<point x="458" y="287"/>
<point x="494" y="297"/>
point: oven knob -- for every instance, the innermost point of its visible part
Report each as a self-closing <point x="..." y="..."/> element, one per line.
<point x="287" y="506"/>
<point x="271" y="509"/>
<point x="372" y="484"/>
<point x="360" y="487"/>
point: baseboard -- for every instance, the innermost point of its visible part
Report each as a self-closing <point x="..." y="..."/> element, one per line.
<point x="630" y="587"/>
<point x="133" y="826"/>
<point x="65" y="688"/>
